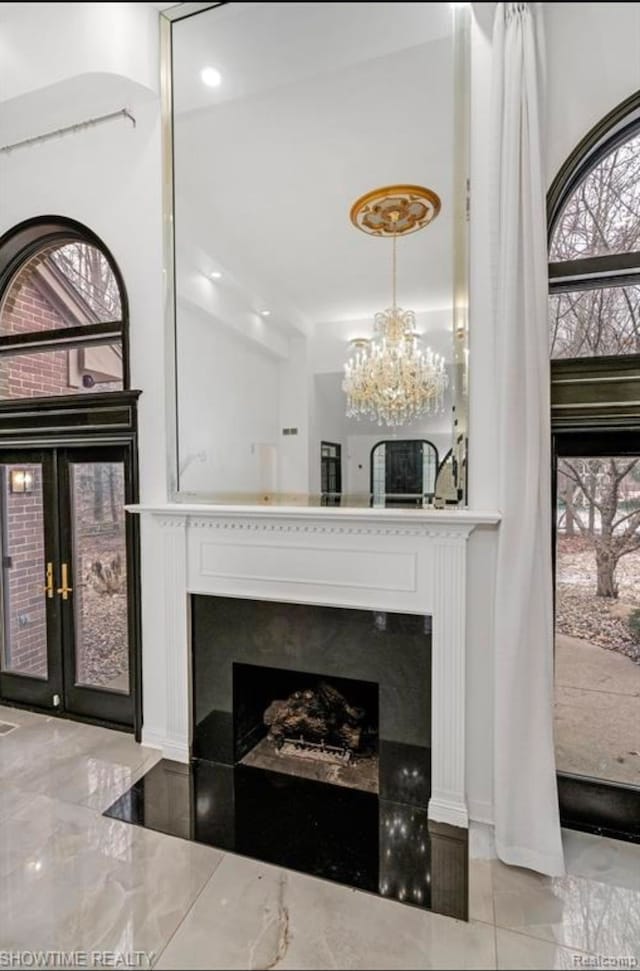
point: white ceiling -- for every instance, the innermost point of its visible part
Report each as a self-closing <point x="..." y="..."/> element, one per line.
<point x="260" y="46"/>
<point x="319" y="103"/>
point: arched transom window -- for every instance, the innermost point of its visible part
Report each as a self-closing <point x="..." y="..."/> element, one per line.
<point x="594" y="253"/>
<point x="62" y="313"/>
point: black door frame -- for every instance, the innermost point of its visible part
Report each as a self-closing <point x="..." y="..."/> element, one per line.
<point x="326" y="460"/>
<point x="96" y="421"/>
<point x="401" y="499"/>
<point x="594" y="805"/>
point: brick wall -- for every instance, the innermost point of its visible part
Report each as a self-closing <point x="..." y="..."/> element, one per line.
<point x="31" y="375"/>
<point x="26" y="309"/>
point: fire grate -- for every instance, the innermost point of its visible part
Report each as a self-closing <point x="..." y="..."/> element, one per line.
<point x="305" y="749"/>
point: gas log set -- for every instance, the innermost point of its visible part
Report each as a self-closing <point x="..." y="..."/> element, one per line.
<point x="319" y="720"/>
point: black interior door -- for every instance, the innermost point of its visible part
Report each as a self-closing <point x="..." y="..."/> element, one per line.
<point x="68" y="581"/>
<point x="331" y="472"/>
<point x="403" y="469"/>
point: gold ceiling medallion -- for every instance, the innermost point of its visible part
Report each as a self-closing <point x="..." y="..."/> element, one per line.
<point x="395" y="210"/>
<point x="391" y="378"/>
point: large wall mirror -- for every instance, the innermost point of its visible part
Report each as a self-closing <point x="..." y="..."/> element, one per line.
<point x="317" y="177"/>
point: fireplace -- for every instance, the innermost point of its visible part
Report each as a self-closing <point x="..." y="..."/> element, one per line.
<point x="397" y="569"/>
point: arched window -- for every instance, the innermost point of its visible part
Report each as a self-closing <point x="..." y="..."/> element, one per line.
<point x="403" y="471"/>
<point x="594" y="248"/>
<point x="62" y="312"/>
<point x="594" y="315"/>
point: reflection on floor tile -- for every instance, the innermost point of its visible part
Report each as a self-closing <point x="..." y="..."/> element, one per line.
<point x="515" y="952"/>
<point x="102" y="885"/>
<point x="573" y="911"/>
<point x="252" y="915"/>
<point x="604" y="860"/>
<point x="71" y="761"/>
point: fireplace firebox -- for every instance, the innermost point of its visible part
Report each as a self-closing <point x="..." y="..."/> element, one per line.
<point x="304" y="724"/>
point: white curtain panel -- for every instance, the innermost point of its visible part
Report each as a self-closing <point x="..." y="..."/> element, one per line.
<point x="527" y="822"/>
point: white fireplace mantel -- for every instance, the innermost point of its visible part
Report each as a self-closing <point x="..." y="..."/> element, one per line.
<point x="405" y="560"/>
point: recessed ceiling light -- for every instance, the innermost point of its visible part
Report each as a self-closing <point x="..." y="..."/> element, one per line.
<point x="215" y="275"/>
<point x="265" y="313"/>
<point x="211" y="77"/>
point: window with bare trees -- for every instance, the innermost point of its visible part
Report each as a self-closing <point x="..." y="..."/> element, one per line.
<point x="594" y="327"/>
<point x="594" y="308"/>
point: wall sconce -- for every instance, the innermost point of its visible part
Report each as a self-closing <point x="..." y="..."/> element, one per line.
<point x="21" y="480"/>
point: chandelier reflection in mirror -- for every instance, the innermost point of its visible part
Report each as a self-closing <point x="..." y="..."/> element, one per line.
<point x="391" y="378"/>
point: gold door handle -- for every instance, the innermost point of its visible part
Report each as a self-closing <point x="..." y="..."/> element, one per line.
<point x="65" y="589"/>
<point x="49" y="585"/>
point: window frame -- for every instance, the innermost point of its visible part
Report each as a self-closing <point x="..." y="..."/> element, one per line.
<point x="588" y="392"/>
<point x="22" y="243"/>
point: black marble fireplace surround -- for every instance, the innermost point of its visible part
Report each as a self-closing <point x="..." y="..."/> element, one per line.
<point x="244" y="653"/>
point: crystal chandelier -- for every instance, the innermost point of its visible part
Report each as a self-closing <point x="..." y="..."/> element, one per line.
<point x="391" y="378"/>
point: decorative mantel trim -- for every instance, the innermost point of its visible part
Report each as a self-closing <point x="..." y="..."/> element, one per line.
<point x="342" y="529"/>
<point x="417" y="518"/>
<point x="410" y="561"/>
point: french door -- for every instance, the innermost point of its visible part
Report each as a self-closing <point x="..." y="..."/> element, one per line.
<point x="597" y="643"/>
<point x="67" y="581"/>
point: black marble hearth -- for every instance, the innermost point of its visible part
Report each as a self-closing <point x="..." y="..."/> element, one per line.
<point x="248" y="653"/>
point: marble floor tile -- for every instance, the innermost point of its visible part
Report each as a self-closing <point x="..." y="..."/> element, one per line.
<point x="573" y="911"/>
<point x="99" y="884"/>
<point x="481" y="891"/>
<point x="11" y="799"/>
<point x="251" y="915"/>
<point x="35" y="750"/>
<point x="113" y="784"/>
<point x="516" y="952"/>
<point x="19" y="716"/>
<point x="72" y="761"/>
<point x="602" y="859"/>
<point x="27" y="831"/>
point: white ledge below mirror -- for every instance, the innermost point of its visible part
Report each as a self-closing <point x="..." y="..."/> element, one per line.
<point x="402" y="560"/>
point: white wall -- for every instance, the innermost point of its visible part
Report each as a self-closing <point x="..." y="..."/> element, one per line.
<point x="483" y="485"/>
<point x="593" y="64"/>
<point x="43" y="44"/>
<point x="294" y="410"/>
<point x="227" y="408"/>
<point x="329" y="424"/>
